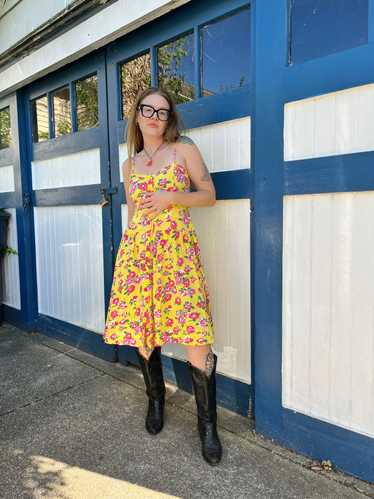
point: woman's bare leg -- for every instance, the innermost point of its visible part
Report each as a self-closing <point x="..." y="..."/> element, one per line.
<point x="201" y="356"/>
<point x="145" y="352"/>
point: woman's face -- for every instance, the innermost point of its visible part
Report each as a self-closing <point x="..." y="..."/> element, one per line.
<point x="152" y="126"/>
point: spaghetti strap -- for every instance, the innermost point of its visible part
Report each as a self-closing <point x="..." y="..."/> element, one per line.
<point x="131" y="165"/>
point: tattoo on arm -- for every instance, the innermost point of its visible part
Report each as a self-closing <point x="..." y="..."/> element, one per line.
<point x="185" y="140"/>
<point x="206" y="174"/>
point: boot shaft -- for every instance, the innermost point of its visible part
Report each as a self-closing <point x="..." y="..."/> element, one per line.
<point x="152" y="373"/>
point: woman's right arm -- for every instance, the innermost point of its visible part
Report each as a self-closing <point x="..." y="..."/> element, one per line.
<point x="126" y="180"/>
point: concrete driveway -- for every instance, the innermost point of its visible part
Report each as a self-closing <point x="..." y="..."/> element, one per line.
<point x="72" y="426"/>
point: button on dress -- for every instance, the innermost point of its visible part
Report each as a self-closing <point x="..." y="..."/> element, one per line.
<point x="159" y="292"/>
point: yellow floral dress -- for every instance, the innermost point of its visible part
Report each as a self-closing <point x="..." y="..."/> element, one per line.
<point x="159" y="291"/>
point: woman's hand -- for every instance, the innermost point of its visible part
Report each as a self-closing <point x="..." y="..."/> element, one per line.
<point x="155" y="202"/>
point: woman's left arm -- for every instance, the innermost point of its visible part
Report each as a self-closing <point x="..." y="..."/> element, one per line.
<point x="205" y="194"/>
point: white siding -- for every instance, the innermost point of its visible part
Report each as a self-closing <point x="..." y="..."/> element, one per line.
<point x="114" y="21"/>
<point x="69" y="264"/>
<point x="7" y="178"/>
<point x="328" y="308"/>
<point x="224" y="234"/>
<point x="224" y="146"/>
<point x="10" y="274"/>
<point x="81" y="168"/>
<point x="335" y="123"/>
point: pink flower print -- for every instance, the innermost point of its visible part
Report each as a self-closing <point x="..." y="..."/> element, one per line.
<point x="178" y="300"/>
<point x="131" y="288"/>
<point x="170" y="284"/>
<point x="113" y="314"/>
<point x="169" y="322"/>
<point x="113" y="336"/>
<point x="162" y="242"/>
<point x="201" y="340"/>
<point x="181" y="319"/>
<point x="173" y="224"/>
<point x="143" y="186"/>
<point x="115" y="301"/>
<point x="132" y="274"/>
<point x="167" y="296"/>
<point x="180" y="261"/>
<point x="193" y="315"/>
<point x="186" y="282"/>
<point x="122" y="321"/>
<point x="190" y="329"/>
<point x="203" y="322"/>
<point x="137" y="311"/>
<point x="188" y="339"/>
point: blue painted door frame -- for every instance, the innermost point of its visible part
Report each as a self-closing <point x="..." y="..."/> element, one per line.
<point x="90" y="194"/>
<point x="275" y="84"/>
<point x="234" y="184"/>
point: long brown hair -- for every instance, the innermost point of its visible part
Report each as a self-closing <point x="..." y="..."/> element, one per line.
<point x="134" y="135"/>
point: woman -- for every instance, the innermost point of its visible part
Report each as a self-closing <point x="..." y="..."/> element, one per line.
<point x="159" y="293"/>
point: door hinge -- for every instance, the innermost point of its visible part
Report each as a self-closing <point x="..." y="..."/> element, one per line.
<point x="105" y="191"/>
<point x="26" y="200"/>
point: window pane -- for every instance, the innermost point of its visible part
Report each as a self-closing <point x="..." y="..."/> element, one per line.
<point x="175" y="62"/>
<point x="61" y="111"/>
<point x="5" y="137"/>
<point x="39" y="116"/>
<point x="87" y="103"/>
<point x="225" y="52"/>
<point x="322" y="27"/>
<point x="135" y="77"/>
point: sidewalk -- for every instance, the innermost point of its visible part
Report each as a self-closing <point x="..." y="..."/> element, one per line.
<point x="72" y="426"/>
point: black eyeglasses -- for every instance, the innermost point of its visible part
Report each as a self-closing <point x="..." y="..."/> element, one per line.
<point x="148" y="111"/>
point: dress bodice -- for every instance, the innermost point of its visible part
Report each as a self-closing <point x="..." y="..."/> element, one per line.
<point x="172" y="177"/>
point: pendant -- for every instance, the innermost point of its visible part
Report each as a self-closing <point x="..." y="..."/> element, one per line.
<point x="149" y="162"/>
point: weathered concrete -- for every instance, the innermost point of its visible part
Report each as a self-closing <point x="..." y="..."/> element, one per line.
<point x="72" y="426"/>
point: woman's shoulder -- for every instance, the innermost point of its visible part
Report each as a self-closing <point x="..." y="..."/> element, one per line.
<point x="184" y="139"/>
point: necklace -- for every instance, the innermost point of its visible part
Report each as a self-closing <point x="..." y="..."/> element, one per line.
<point x="150" y="156"/>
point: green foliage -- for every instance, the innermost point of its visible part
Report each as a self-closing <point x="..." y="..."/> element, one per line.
<point x="6" y="250"/>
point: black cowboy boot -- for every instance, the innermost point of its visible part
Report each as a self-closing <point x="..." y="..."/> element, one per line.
<point x="155" y="389"/>
<point x="205" y="396"/>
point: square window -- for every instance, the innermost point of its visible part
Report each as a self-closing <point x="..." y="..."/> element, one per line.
<point x="39" y="118"/>
<point x="135" y="77"/>
<point x="61" y="111"/>
<point x="175" y="63"/>
<point x="225" y="53"/>
<point x="87" y="102"/>
<point x="323" y="27"/>
<point x="5" y="132"/>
